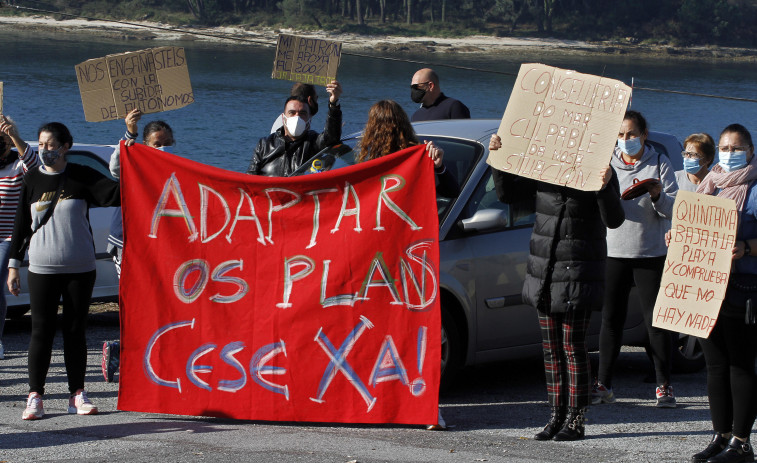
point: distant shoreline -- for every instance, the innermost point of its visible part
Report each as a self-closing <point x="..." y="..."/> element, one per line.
<point x="377" y="44"/>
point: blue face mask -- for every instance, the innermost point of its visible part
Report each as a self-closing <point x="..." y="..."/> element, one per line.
<point x="631" y="147"/>
<point x="166" y="149"/>
<point x="732" y="160"/>
<point x="691" y="166"/>
<point x="49" y="157"/>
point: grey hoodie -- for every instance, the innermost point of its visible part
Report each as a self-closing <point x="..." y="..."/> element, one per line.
<point x="643" y="232"/>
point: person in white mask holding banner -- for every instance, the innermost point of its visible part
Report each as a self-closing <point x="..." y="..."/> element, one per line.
<point x="730" y="350"/>
<point x="158" y="135"/>
<point x="283" y="151"/>
<point x="698" y="155"/>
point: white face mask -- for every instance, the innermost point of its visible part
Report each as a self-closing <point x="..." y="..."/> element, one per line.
<point x="166" y="149"/>
<point x="296" y="125"/>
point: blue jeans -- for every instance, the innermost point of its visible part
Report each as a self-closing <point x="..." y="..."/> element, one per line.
<point x="5" y="247"/>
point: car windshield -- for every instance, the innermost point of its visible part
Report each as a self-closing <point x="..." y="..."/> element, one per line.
<point x="460" y="156"/>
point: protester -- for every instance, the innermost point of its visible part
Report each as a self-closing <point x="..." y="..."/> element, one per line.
<point x="282" y="152"/>
<point x="636" y="255"/>
<point x="158" y="135"/>
<point x="565" y="282"/>
<point x="388" y="130"/>
<point x="306" y="91"/>
<point x="13" y="166"/>
<point x="731" y="349"/>
<point x="698" y="155"/>
<point x="53" y="215"/>
<point x="425" y="89"/>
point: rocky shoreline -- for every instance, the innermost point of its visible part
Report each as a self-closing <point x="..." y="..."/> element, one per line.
<point x="147" y="31"/>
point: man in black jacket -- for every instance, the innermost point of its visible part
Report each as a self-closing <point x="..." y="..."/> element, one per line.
<point x="283" y="151"/>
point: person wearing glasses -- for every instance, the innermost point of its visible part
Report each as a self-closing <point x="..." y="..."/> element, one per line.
<point x="435" y="105"/>
<point x="731" y="349"/>
<point x="698" y="155"/>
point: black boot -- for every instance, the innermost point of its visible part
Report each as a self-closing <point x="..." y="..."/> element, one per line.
<point x="716" y="446"/>
<point x="553" y="426"/>
<point x="736" y="452"/>
<point x="573" y="429"/>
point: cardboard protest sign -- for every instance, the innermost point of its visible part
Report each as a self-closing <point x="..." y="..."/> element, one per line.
<point x="313" y="298"/>
<point x="307" y="60"/>
<point x="698" y="264"/>
<point x="153" y="80"/>
<point x="560" y="126"/>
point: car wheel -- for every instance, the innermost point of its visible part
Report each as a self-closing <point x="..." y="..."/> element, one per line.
<point x="687" y="355"/>
<point x="452" y="349"/>
<point x="17" y="311"/>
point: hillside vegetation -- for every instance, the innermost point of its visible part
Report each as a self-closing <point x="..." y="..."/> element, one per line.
<point x="673" y="22"/>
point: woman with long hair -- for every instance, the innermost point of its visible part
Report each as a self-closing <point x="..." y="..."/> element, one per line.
<point x="388" y="130"/>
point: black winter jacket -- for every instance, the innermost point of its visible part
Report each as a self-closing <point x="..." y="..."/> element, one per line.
<point x="278" y="156"/>
<point x="566" y="263"/>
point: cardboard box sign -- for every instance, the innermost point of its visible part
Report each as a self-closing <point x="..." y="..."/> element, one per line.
<point x="153" y="80"/>
<point x="698" y="264"/>
<point x="560" y="126"/>
<point x="307" y="60"/>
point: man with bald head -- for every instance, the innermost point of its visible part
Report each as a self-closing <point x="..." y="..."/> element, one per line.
<point x="424" y="89"/>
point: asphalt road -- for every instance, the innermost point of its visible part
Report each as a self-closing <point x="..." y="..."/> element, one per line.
<point x="493" y="412"/>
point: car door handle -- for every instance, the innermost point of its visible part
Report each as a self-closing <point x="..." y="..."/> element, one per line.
<point x="504" y="301"/>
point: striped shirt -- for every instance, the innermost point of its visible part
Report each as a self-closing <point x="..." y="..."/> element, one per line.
<point x="11" y="177"/>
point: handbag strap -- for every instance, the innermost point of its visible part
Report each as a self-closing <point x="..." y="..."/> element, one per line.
<point x="53" y="202"/>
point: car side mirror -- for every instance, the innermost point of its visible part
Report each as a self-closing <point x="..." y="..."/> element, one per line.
<point x="484" y="220"/>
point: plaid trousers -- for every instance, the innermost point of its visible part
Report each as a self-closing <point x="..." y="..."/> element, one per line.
<point x="566" y="357"/>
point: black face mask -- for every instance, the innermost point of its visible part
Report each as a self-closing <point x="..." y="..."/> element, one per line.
<point x="417" y="94"/>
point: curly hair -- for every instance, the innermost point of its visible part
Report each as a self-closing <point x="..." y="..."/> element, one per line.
<point x="388" y="130"/>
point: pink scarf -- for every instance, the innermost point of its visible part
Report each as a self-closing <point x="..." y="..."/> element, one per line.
<point x="733" y="185"/>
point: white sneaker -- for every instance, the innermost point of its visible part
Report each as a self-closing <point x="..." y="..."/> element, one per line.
<point x="80" y="404"/>
<point x="34" y="410"/>
<point x="2" y="351"/>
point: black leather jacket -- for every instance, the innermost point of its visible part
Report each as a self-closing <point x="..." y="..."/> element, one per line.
<point x="278" y="156"/>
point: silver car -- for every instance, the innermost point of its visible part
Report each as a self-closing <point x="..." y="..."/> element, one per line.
<point x="484" y="245"/>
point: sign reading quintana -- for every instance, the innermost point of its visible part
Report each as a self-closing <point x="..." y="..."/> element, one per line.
<point x="152" y="80"/>
<point x="698" y="264"/>
<point x="560" y="126"/>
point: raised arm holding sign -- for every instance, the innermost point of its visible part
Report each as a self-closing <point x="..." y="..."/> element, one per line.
<point x="151" y="80"/>
<point x="560" y="126"/>
<point x="307" y="60"/>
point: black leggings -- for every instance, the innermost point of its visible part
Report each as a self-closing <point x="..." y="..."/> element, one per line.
<point x="621" y="273"/>
<point x="45" y="292"/>
<point x="731" y="382"/>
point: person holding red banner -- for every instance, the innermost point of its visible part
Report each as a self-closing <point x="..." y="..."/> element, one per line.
<point x="281" y="153"/>
<point x="158" y="135"/>
<point x="387" y="131"/>
<point x="53" y="219"/>
<point x="565" y="282"/>
<point x="731" y="349"/>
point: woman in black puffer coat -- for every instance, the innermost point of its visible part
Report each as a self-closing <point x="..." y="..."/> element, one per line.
<point x="565" y="282"/>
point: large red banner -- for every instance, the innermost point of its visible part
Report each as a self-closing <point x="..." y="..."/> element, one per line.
<point x="300" y="299"/>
